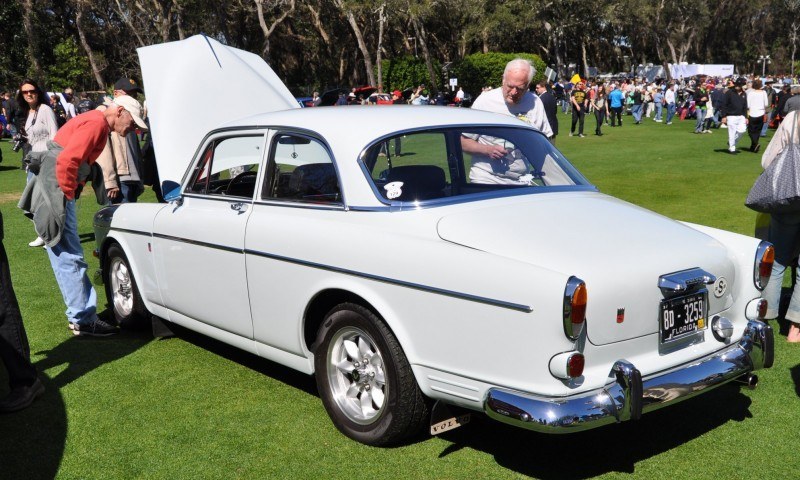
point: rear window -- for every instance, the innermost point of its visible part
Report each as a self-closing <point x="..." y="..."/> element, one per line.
<point x="435" y="164"/>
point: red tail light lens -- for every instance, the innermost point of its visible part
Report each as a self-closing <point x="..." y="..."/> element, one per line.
<point x="575" y="365"/>
<point x="575" y="299"/>
<point x="765" y="257"/>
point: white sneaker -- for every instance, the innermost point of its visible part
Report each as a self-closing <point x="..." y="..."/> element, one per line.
<point x="723" y="126"/>
<point x="39" y="242"/>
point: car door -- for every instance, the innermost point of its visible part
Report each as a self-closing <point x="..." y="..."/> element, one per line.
<point x="291" y="228"/>
<point x="199" y="243"/>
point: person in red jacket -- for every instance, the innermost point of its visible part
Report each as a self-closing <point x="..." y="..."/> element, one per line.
<point x="80" y="141"/>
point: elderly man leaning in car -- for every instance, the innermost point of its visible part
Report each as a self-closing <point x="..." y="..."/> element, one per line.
<point x="51" y="200"/>
<point x="492" y="162"/>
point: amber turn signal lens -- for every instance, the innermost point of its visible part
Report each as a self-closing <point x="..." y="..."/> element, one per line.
<point x="575" y="299"/>
<point x="765" y="266"/>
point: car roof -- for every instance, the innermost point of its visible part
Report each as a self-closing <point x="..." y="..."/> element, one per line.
<point x="362" y="124"/>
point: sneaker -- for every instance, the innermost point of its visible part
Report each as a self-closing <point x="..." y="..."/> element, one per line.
<point x="570" y="134"/>
<point x="98" y="328"/>
<point x="669" y="123"/>
<point x="71" y="326"/>
<point x="581" y="135"/>
<point x="39" y="242"/>
<point x="723" y="126"/>
<point x="21" y="397"/>
<point x="731" y="149"/>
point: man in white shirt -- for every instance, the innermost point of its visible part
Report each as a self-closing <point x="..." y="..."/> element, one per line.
<point x="512" y="98"/>
<point x="757" y="104"/>
<point x="669" y="100"/>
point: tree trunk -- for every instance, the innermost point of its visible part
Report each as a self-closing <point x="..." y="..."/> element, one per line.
<point x="268" y="31"/>
<point x="584" y="59"/>
<point x="127" y="20"/>
<point x="85" y="44"/>
<point x="27" y="23"/>
<point x="381" y="23"/>
<point x="419" y="30"/>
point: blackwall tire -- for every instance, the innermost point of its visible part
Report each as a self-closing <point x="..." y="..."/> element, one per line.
<point x="364" y="378"/>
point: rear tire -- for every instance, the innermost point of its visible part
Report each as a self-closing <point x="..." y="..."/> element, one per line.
<point x="121" y="290"/>
<point x="364" y="378"/>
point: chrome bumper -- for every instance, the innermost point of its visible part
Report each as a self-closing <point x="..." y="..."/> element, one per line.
<point x="627" y="395"/>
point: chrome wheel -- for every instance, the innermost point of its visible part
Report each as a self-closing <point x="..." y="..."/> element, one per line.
<point x="121" y="287"/>
<point x="356" y="376"/>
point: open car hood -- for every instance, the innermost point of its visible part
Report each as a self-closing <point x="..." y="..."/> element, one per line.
<point x="196" y="85"/>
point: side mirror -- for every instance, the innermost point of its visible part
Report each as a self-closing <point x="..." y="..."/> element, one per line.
<point x="171" y="190"/>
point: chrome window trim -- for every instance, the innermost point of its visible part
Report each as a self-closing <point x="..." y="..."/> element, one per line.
<point x="215" y="135"/>
<point x="132" y="232"/>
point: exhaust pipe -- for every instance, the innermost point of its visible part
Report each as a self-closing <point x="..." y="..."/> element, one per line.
<point x="749" y="379"/>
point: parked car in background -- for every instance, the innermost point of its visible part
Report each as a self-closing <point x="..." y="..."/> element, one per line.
<point x="385" y="253"/>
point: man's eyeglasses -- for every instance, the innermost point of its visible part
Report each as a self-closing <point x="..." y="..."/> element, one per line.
<point x="517" y="88"/>
<point x="29" y="92"/>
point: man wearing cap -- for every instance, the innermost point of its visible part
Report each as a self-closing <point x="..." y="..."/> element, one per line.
<point x="121" y="160"/>
<point x="75" y="147"/>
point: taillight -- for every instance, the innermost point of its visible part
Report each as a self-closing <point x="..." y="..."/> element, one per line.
<point x="575" y="365"/>
<point x="762" y="309"/>
<point x="575" y="297"/>
<point x="765" y="256"/>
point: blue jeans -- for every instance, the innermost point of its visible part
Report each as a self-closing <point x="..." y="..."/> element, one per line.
<point x="670" y="111"/>
<point x="636" y="111"/>
<point x="66" y="258"/>
<point x="659" y="111"/>
<point x="701" y="115"/>
<point x="764" y="129"/>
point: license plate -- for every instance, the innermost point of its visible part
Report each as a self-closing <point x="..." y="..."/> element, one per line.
<point x="683" y="316"/>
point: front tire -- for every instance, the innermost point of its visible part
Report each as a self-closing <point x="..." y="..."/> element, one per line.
<point x="121" y="289"/>
<point x="364" y="378"/>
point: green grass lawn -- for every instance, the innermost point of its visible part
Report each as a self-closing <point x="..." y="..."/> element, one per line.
<point x="133" y="407"/>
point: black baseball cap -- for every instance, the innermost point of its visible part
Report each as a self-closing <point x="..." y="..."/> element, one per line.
<point x="128" y="85"/>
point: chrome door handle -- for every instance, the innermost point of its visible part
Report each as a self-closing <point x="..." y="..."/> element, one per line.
<point x="239" y="207"/>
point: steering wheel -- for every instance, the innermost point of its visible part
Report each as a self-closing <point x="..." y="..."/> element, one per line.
<point x="240" y="179"/>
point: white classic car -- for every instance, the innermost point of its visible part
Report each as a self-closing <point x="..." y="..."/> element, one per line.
<point x="379" y="250"/>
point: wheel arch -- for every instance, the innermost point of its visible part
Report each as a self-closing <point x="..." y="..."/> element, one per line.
<point x="322" y="303"/>
<point x="133" y="262"/>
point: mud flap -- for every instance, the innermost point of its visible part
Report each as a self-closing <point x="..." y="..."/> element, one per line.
<point x="445" y="418"/>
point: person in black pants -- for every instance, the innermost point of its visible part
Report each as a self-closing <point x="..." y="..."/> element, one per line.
<point x="600" y="105"/>
<point x="14" y="350"/>
<point x="580" y="102"/>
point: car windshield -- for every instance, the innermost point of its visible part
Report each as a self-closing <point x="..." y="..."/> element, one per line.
<point x="433" y="164"/>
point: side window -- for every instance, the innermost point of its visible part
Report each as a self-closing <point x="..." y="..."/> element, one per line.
<point x="301" y="170"/>
<point x="228" y="167"/>
<point x="412" y="167"/>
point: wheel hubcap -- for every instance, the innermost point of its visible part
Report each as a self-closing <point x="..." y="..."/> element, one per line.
<point x="121" y="287"/>
<point x="356" y="375"/>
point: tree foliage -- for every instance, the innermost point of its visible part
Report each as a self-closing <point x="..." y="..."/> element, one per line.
<point x="486" y="69"/>
<point x="315" y="44"/>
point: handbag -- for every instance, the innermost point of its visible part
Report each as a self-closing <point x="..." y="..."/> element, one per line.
<point x="777" y="189"/>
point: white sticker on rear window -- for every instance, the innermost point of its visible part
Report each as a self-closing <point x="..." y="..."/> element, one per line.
<point x="393" y="190"/>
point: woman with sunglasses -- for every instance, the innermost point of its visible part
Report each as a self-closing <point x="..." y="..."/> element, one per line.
<point x="40" y="124"/>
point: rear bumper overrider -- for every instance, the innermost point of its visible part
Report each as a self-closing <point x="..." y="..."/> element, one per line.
<point x="627" y="395"/>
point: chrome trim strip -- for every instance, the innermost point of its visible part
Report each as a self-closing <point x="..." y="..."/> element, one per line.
<point x="198" y="243"/>
<point x="455" y="384"/>
<point x="291" y="204"/>
<point x="626" y="397"/>
<point x="132" y="232"/>
<point x="392" y="281"/>
<point x="329" y="268"/>
<point x="455" y="394"/>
